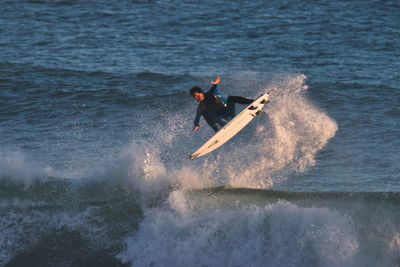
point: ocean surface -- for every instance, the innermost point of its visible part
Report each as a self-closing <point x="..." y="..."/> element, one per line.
<point x="96" y="122"/>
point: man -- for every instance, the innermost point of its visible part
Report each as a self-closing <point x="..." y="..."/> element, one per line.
<point x="214" y="108"/>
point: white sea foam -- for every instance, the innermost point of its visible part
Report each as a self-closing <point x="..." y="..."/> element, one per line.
<point x="280" y="234"/>
<point x="288" y="141"/>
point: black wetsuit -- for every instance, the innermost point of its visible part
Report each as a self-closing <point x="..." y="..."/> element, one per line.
<point x="215" y="109"/>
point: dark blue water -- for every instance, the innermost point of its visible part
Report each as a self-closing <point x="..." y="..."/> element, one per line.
<point x="96" y="119"/>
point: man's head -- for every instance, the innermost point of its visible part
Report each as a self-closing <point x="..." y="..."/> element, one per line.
<point x="197" y="93"/>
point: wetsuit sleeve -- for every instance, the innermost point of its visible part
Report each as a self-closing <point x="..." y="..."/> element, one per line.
<point x="213" y="89"/>
<point x="207" y="118"/>
<point x="198" y="114"/>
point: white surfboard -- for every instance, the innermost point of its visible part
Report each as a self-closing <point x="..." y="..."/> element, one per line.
<point x="232" y="128"/>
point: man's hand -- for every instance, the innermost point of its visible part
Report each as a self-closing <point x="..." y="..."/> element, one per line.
<point x="196" y="127"/>
<point x="217" y="80"/>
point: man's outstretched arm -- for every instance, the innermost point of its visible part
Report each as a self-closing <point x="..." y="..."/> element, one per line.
<point x="199" y="111"/>
<point x="214" y="84"/>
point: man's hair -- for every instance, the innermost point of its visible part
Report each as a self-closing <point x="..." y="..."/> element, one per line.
<point x="195" y="89"/>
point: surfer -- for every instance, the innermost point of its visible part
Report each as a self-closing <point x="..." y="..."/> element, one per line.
<point x="215" y="108"/>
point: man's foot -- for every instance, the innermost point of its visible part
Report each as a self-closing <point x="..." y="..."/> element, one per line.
<point x="252" y="108"/>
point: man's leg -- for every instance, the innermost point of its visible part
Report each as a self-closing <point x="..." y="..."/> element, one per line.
<point x="236" y="99"/>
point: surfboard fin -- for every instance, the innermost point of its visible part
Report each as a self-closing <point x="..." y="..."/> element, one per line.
<point x="260" y="112"/>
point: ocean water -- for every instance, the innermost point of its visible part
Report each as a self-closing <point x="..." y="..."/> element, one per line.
<point x="96" y="119"/>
